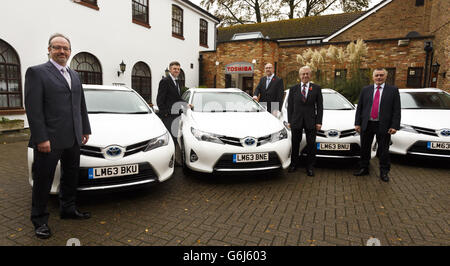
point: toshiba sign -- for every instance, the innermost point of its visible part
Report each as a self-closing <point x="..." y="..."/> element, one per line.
<point x="239" y="68"/>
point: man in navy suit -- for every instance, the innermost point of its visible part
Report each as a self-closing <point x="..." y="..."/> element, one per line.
<point x="59" y="124"/>
<point x="270" y="90"/>
<point x="378" y="114"/>
<point x="169" y="93"/>
<point x="305" y="112"/>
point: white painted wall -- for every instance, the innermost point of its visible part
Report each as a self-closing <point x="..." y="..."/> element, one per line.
<point x="108" y="33"/>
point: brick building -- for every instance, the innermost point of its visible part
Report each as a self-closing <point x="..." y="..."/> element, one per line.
<point x="410" y="38"/>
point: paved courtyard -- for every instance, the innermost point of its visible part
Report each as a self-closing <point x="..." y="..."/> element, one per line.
<point x="277" y="209"/>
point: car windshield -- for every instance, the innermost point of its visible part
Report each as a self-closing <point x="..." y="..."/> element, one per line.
<point x="425" y="100"/>
<point x="335" y="101"/>
<point x="115" y="102"/>
<point x="224" y="102"/>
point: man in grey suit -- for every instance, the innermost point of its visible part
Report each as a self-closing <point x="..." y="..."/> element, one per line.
<point x="270" y="90"/>
<point x="59" y="124"/>
<point x="378" y="114"/>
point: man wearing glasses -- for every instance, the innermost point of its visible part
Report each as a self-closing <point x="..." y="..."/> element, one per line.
<point x="59" y="124"/>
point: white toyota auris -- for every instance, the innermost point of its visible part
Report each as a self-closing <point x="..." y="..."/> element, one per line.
<point x="337" y="138"/>
<point x="425" y="124"/>
<point x="129" y="145"/>
<point x="225" y="130"/>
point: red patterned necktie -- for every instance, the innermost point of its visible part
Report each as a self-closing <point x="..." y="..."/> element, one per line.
<point x="304" y="93"/>
<point x="376" y="104"/>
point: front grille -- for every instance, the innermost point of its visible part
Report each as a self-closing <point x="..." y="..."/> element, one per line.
<point x="92" y="151"/>
<point x="347" y="133"/>
<point x="146" y="172"/>
<point x="343" y="133"/>
<point x="237" y="142"/>
<point x="226" y="162"/>
<point x="426" y="131"/>
<point x="422" y="147"/>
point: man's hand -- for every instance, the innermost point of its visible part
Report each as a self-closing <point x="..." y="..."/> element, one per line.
<point x="392" y="131"/>
<point x="318" y="127"/>
<point x="358" y="129"/>
<point x="255" y="98"/>
<point x="44" y="146"/>
<point x="85" y="139"/>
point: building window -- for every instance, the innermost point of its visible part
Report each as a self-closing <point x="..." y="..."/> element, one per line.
<point x="312" y="41"/>
<point x="420" y="2"/>
<point x="340" y="76"/>
<point x="10" y="78"/>
<point x="414" y="79"/>
<point x="391" y="76"/>
<point x="203" y="32"/>
<point x="88" y="68"/>
<point x="140" y="12"/>
<point x="177" y="21"/>
<point x="88" y="3"/>
<point x="141" y="80"/>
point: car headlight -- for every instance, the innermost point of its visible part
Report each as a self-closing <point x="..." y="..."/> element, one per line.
<point x="204" y="136"/>
<point x="407" y="128"/>
<point x="280" y="135"/>
<point x="157" y="142"/>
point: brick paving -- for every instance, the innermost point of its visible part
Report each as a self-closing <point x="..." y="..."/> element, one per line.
<point x="276" y="209"/>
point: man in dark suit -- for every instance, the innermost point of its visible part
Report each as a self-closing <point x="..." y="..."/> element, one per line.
<point x="169" y="93"/>
<point x="59" y="124"/>
<point x="378" y="113"/>
<point x="270" y="90"/>
<point x="305" y="112"/>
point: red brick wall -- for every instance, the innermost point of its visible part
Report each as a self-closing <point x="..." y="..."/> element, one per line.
<point x="395" y="20"/>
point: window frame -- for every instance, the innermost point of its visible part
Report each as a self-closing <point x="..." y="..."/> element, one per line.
<point x="84" y="74"/>
<point x="89" y="3"/>
<point x="138" y="21"/>
<point x="180" y="22"/>
<point x="17" y="77"/>
<point x="137" y="80"/>
<point x="203" y="33"/>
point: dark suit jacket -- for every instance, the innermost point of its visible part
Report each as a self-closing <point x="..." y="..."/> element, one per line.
<point x="167" y="95"/>
<point x="389" y="108"/>
<point x="305" y="114"/>
<point x="273" y="93"/>
<point x="54" y="111"/>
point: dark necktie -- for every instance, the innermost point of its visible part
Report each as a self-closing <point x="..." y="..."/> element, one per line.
<point x="304" y="93"/>
<point x="178" y="85"/>
<point x="376" y="104"/>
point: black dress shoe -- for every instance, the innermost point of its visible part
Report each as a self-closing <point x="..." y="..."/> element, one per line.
<point x="42" y="231"/>
<point x="292" y="168"/>
<point x="361" y="172"/>
<point x="384" y="177"/>
<point x="76" y="215"/>
<point x="310" y="172"/>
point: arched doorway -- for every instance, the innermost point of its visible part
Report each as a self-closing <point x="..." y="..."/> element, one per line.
<point x="10" y="78"/>
<point x="88" y="68"/>
<point x="141" y="80"/>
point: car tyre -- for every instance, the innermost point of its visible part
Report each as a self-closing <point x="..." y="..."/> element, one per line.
<point x="186" y="170"/>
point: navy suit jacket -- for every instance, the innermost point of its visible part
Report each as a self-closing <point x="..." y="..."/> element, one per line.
<point x="390" y="112"/>
<point x="273" y="93"/>
<point x="167" y="96"/>
<point x="305" y="114"/>
<point x="55" y="112"/>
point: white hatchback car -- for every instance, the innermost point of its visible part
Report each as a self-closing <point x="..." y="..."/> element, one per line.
<point x="337" y="138"/>
<point x="129" y="145"/>
<point x="226" y="130"/>
<point x="425" y="123"/>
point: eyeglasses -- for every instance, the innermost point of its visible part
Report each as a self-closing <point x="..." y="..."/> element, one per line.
<point x="65" y="48"/>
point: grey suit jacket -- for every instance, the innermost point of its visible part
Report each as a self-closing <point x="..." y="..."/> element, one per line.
<point x="390" y="113"/>
<point x="54" y="111"/>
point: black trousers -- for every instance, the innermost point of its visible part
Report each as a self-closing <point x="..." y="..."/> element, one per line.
<point x="310" y="146"/>
<point x="383" y="139"/>
<point x="43" y="168"/>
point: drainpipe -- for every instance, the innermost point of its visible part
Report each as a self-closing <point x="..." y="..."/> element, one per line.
<point x="428" y="49"/>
